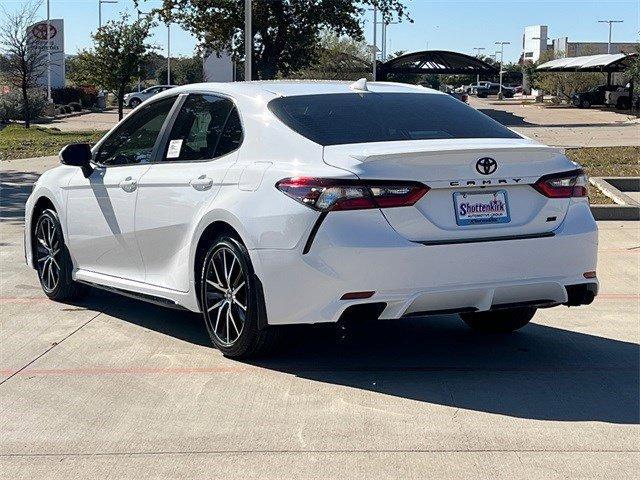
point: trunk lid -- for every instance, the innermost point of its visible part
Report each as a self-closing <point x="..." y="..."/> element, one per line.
<point x="450" y="170"/>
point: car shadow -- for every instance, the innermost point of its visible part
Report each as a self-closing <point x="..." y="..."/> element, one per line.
<point x="540" y="372"/>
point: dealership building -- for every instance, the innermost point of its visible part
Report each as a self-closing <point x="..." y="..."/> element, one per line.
<point x="536" y="41"/>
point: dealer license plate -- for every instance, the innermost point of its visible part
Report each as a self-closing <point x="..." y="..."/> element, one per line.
<point x="478" y="208"/>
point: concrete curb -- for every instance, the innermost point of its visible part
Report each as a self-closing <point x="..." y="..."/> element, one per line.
<point x="610" y="187"/>
<point x="615" y="212"/>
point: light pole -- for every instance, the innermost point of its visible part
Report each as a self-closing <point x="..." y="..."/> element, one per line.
<point x="248" y="41"/>
<point x="502" y="44"/>
<point x="610" y="22"/>
<point x="375" y="42"/>
<point x="384" y="38"/>
<point x="478" y="49"/>
<point x="140" y="13"/>
<point x="100" y="2"/>
<point x="169" y="52"/>
<point x="48" y="54"/>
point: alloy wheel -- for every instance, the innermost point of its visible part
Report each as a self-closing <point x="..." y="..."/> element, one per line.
<point x="48" y="252"/>
<point x="225" y="296"/>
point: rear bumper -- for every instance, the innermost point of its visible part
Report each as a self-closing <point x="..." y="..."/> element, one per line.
<point x="359" y="251"/>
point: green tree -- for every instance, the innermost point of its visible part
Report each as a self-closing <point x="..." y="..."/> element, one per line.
<point x="338" y="58"/>
<point x="183" y="71"/>
<point x="564" y="84"/>
<point x="119" y="47"/>
<point x="286" y="33"/>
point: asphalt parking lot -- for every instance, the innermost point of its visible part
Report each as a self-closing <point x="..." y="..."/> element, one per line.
<point x="115" y="388"/>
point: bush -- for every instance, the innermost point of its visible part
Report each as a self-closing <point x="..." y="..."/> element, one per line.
<point x="87" y="96"/>
<point x="12" y="107"/>
<point x="75" y="106"/>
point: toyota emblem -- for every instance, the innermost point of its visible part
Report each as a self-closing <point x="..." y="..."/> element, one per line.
<point x="486" y="166"/>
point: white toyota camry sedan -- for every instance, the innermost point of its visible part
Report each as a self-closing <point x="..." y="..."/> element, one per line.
<point x="264" y="204"/>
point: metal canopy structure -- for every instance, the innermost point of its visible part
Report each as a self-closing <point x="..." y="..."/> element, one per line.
<point x="435" y="61"/>
<point x="607" y="63"/>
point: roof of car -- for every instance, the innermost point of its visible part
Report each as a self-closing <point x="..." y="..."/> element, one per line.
<point x="285" y="88"/>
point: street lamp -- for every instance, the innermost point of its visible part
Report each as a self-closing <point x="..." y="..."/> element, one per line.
<point x="384" y="38"/>
<point x="140" y="13"/>
<point x="248" y="41"/>
<point x="477" y="49"/>
<point x="48" y="54"/>
<point x="502" y="44"/>
<point x="610" y="22"/>
<point x="169" y="52"/>
<point x="100" y="2"/>
<point x="374" y="49"/>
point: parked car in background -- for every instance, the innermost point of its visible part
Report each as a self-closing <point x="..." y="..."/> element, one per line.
<point x="134" y="99"/>
<point x="518" y="89"/>
<point x="263" y="204"/>
<point x="493" y="89"/>
<point x="595" y="96"/>
<point x="462" y="96"/>
<point x="473" y="88"/>
<point x="621" y="97"/>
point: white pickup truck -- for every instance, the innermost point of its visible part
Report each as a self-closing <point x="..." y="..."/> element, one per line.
<point x="620" y="98"/>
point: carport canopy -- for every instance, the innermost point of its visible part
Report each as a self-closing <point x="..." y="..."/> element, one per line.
<point x="608" y="63"/>
<point x="435" y="61"/>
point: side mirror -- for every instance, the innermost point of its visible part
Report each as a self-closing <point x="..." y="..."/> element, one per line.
<point x="77" y="155"/>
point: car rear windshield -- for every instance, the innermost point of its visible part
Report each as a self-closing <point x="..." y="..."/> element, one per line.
<point x="341" y="118"/>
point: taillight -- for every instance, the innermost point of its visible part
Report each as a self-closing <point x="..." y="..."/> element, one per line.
<point x="563" y="185"/>
<point x="328" y="194"/>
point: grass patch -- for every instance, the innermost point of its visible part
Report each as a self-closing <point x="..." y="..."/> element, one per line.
<point x="606" y="162"/>
<point x="19" y="142"/>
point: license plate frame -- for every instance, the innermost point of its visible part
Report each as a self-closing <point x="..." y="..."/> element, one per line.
<point x="483" y="218"/>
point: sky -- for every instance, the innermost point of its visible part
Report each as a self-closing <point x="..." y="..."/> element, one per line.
<point x="457" y="25"/>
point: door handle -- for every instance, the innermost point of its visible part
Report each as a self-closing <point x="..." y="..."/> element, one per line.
<point x="201" y="183"/>
<point x="129" y="185"/>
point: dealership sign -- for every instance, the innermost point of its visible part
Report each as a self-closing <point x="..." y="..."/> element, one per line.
<point x="38" y="33"/>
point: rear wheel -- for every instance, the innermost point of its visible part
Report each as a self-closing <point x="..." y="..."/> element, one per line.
<point x="52" y="259"/>
<point x="134" y="102"/>
<point x="232" y="305"/>
<point x="585" y="103"/>
<point x="499" y="321"/>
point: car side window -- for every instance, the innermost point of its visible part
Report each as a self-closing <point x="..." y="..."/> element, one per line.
<point x="132" y="142"/>
<point x="231" y="137"/>
<point x="199" y="128"/>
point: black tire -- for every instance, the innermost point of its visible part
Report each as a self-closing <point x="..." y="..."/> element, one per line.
<point x="134" y="102"/>
<point x="238" y="298"/>
<point x="585" y="103"/>
<point x="623" y="104"/>
<point x="499" y="321"/>
<point x="52" y="260"/>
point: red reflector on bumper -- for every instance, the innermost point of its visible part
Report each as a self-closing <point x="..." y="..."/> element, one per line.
<point x="589" y="274"/>
<point x="356" y="295"/>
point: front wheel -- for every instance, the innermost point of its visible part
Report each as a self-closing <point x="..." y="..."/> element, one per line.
<point x="134" y="102"/>
<point x="499" y="321"/>
<point x="231" y="302"/>
<point x="585" y="104"/>
<point x="52" y="259"/>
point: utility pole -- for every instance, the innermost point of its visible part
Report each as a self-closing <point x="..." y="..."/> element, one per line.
<point x="610" y="22"/>
<point x="100" y="2"/>
<point x="248" y="41"/>
<point x="478" y="49"/>
<point x="502" y="44"/>
<point x="48" y="54"/>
